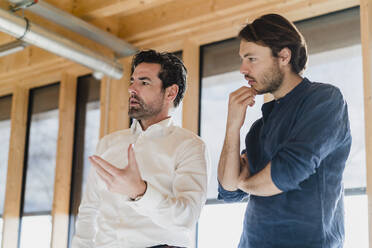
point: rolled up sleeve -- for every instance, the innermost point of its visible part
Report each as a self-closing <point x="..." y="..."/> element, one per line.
<point x="321" y="127"/>
<point x="231" y="196"/>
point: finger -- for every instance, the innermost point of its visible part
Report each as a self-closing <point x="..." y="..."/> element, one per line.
<point x="251" y="103"/>
<point x="131" y="156"/>
<point x="102" y="173"/>
<point x="109" y="168"/>
<point x="248" y="101"/>
<point x="244" y="90"/>
<point x="242" y="97"/>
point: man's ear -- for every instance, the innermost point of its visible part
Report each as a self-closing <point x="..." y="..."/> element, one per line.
<point x="171" y="92"/>
<point x="284" y="56"/>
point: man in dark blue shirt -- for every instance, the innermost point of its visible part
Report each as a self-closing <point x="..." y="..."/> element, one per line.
<point x="295" y="155"/>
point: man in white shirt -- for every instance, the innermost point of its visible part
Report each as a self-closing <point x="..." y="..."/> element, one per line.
<point x="149" y="182"/>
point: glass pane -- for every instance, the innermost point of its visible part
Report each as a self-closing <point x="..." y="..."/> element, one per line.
<point x="40" y="162"/>
<point x="177" y="112"/>
<point x="86" y="139"/>
<point x="210" y="227"/>
<point x="356" y="221"/>
<point x="5" y="108"/>
<point x="336" y="58"/>
<point x="1" y="230"/>
<point x="36" y="231"/>
<point x="177" y="115"/>
<point x="91" y="133"/>
<point x="215" y="96"/>
<point x="334" y="67"/>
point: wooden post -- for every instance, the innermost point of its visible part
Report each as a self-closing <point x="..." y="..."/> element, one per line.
<point x="104" y="106"/>
<point x="12" y="205"/>
<point x="190" y="108"/>
<point x="62" y="184"/>
<point x="114" y="101"/>
<point x="366" y="36"/>
<point x="190" y="112"/>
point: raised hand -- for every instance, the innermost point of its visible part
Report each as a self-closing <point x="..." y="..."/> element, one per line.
<point x="127" y="181"/>
<point x="239" y="100"/>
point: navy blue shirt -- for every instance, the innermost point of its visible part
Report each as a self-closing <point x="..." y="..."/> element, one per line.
<point x="306" y="136"/>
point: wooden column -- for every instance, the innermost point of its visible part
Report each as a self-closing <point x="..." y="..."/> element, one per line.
<point x="190" y="112"/>
<point x="190" y="109"/>
<point x="366" y="36"/>
<point x="62" y="184"/>
<point x="114" y="101"/>
<point x="12" y="205"/>
<point x="104" y="106"/>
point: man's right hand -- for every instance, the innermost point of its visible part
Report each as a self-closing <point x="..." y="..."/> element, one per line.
<point x="239" y="100"/>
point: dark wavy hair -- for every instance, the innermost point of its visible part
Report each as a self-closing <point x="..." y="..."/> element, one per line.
<point x="172" y="70"/>
<point x="276" y="32"/>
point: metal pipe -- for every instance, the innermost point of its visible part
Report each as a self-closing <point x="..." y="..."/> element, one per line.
<point x="12" y="47"/>
<point x="71" y="22"/>
<point x="54" y="43"/>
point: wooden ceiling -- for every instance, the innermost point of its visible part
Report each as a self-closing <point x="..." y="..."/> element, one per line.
<point x="159" y="24"/>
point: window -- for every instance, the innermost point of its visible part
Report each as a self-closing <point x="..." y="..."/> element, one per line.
<point x="221" y="76"/>
<point x="335" y="57"/>
<point x="5" y="108"/>
<point x="177" y="113"/>
<point x="40" y="161"/>
<point x="87" y="122"/>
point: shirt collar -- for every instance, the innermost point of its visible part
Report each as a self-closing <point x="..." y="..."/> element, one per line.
<point x="160" y="128"/>
<point x="299" y="88"/>
<point x="267" y="107"/>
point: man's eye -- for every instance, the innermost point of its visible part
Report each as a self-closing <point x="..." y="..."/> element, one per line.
<point x="145" y="83"/>
<point x="252" y="59"/>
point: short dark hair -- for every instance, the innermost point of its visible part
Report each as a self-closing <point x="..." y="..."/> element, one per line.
<point x="172" y="70"/>
<point x="276" y="32"/>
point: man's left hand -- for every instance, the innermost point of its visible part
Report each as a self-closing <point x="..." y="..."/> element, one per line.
<point x="127" y="181"/>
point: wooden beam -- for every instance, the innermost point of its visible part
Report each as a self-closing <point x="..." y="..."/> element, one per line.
<point x="91" y="9"/>
<point x="61" y="201"/>
<point x="6" y="89"/>
<point x="190" y="107"/>
<point x="43" y="73"/>
<point x="366" y="37"/>
<point x="118" y="109"/>
<point x="214" y="20"/>
<point x="166" y="26"/>
<point x="12" y="205"/>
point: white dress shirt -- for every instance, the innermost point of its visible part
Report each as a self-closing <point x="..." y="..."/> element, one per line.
<point x="175" y="164"/>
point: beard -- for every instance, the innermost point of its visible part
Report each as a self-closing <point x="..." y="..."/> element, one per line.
<point x="271" y="79"/>
<point x="143" y="111"/>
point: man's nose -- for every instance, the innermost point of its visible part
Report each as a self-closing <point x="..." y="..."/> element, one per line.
<point x="244" y="68"/>
<point x="132" y="89"/>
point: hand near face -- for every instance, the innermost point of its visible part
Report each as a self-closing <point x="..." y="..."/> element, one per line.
<point x="127" y="181"/>
<point x="239" y="100"/>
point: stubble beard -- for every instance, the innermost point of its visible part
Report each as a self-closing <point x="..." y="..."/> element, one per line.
<point x="145" y="111"/>
<point x="271" y="80"/>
